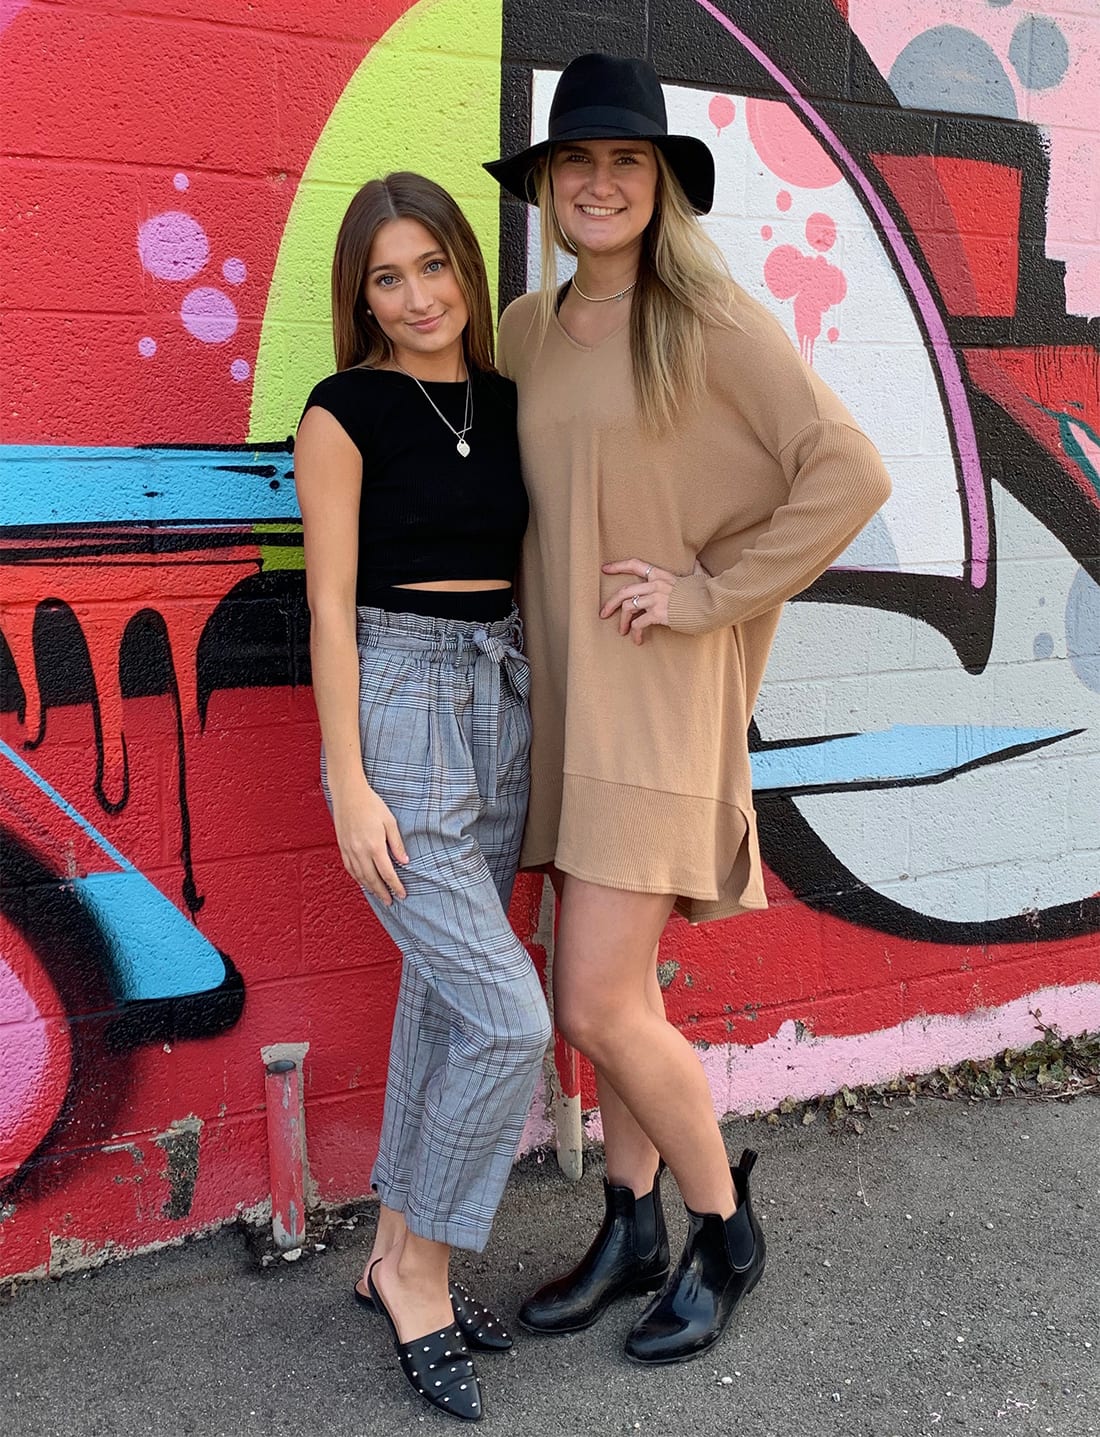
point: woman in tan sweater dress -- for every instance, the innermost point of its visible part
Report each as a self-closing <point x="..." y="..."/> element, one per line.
<point x="688" y="473"/>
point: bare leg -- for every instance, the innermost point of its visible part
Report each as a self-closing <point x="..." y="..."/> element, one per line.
<point x="414" y="1283"/>
<point x="631" y="1158"/>
<point x="602" y="961"/>
<point x="390" y="1233"/>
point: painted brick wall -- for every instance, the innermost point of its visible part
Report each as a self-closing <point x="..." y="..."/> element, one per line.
<point x="914" y="190"/>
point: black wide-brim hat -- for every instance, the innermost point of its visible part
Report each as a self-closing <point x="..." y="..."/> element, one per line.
<point x="601" y="97"/>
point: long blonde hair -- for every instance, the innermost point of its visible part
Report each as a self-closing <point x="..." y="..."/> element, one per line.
<point x="358" y="338"/>
<point x="683" y="285"/>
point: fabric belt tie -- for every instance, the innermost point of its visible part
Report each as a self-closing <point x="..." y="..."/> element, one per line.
<point x="494" y="652"/>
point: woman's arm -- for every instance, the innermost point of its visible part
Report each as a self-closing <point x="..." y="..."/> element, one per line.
<point x="835" y="479"/>
<point x="328" y="475"/>
<point x="838" y="482"/>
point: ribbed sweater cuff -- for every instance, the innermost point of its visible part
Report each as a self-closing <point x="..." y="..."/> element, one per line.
<point x="691" y="606"/>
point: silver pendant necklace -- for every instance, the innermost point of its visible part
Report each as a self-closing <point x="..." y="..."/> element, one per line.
<point x="601" y="298"/>
<point x="463" y="445"/>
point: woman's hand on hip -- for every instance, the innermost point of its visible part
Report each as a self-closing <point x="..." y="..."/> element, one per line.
<point x="640" y="605"/>
<point x="370" y="843"/>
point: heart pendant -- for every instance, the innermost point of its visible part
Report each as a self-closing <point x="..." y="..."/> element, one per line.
<point x="463" y="448"/>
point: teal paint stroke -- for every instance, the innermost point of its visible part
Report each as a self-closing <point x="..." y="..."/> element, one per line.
<point x="157" y="952"/>
<point x="74" y="814"/>
<point x="903" y="754"/>
<point x="47" y="484"/>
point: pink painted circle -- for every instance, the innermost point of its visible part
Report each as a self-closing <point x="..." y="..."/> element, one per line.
<point x="821" y="231"/>
<point x="240" y="369"/>
<point x="787" y="147"/>
<point x="783" y="200"/>
<point x="209" y="315"/>
<point x="173" y="245"/>
<point x="833" y="334"/>
<point x="235" y="271"/>
<point x="722" y="112"/>
<point x="147" y="346"/>
<point x="765" y="232"/>
<point x="36" y="1055"/>
<point x="784" y="271"/>
<point x="181" y="181"/>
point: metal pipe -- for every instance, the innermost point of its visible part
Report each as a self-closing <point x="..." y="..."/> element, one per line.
<point x="286" y="1152"/>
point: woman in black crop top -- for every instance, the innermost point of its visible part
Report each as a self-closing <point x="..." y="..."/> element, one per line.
<point x="408" y="477"/>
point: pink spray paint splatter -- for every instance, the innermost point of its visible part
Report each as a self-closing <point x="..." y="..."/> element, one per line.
<point x="810" y="281"/>
<point x="173" y="246"/>
<point x="722" y="112"/>
<point x="820" y="232"/>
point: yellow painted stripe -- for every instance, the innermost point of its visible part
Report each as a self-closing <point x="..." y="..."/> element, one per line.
<point x="426" y="98"/>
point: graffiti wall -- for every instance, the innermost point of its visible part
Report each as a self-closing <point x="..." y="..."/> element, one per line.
<point x="913" y="189"/>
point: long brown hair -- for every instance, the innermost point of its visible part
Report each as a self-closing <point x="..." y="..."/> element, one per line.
<point x="683" y="285"/>
<point x="357" y="336"/>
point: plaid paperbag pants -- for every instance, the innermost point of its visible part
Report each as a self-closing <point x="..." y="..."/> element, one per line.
<point x="445" y="735"/>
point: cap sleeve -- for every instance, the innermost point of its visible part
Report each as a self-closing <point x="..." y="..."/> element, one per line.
<point x="347" y="398"/>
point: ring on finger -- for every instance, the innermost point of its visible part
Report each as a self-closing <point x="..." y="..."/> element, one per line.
<point x="634" y="602"/>
<point x="648" y="571"/>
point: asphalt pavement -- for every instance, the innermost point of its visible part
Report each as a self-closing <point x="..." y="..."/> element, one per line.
<point x="937" y="1274"/>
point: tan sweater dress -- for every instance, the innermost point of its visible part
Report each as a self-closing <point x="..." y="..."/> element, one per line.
<point x="640" y="766"/>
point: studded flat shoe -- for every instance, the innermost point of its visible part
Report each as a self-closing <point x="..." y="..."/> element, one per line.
<point x="438" y="1365"/>
<point x="479" y="1325"/>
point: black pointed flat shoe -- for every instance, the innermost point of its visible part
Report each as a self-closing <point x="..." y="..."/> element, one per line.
<point x="479" y="1325"/>
<point x="438" y="1366"/>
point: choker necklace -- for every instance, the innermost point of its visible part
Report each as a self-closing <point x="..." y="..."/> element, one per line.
<point x="603" y="298"/>
<point x="463" y="445"/>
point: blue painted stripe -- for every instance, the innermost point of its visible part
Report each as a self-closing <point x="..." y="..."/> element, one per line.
<point x="83" y="484"/>
<point x="6" y="751"/>
<point x="904" y="753"/>
<point x="158" y="953"/>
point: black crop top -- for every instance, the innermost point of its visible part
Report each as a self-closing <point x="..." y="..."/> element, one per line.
<point x="425" y="512"/>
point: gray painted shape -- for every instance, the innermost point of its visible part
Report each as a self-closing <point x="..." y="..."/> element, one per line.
<point x="948" y="68"/>
<point x="1039" y="53"/>
<point x="1083" y="630"/>
<point x="872" y="548"/>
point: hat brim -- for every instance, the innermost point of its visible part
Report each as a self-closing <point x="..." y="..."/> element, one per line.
<point x="689" y="159"/>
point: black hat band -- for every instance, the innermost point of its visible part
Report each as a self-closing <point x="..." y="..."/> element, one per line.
<point x="604" y="117"/>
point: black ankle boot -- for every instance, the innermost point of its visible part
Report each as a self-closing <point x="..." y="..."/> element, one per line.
<point x="613" y="1266"/>
<point x="722" y="1262"/>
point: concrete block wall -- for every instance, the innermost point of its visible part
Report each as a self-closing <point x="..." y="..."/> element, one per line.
<point x="912" y="188"/>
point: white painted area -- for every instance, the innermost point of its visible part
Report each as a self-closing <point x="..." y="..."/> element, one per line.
<point x="999" y="841"/>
